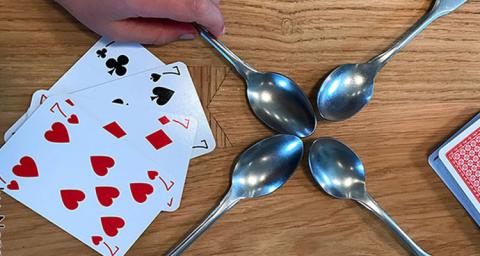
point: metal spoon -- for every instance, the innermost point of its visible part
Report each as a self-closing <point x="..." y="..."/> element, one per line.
<point x="339" y="171"/>
<point x="260" y="170"/>
<point x="350" y="87"/>
<point x="275" y="99"/>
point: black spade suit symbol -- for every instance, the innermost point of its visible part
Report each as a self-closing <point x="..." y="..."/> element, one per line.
<point x="155" y="77"/>
<point x="119" y="102"/>
<point x="161" y="95"/>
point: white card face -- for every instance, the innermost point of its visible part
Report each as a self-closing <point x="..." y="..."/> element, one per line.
<point x="165" y="138"/>
<point x="168" y="89"/>
<point x="461" y="157"/>
<point x="65" y="167"/>
<point x="37" y="98"/>
<point x="104" y="62"/>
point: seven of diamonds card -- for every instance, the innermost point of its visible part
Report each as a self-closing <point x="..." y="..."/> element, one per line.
<point x="63" y="165"/>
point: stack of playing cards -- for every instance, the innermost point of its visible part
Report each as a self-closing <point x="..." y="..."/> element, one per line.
<point x="107" y="148"/>
<point x="457" y="162"/>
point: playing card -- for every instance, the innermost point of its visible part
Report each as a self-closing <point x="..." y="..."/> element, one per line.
<point x="165" y="138"/>
<point x="166" y="89"/>
<point x="461" y="159"/>
<point x="105" y="61"/>
<point x="443" y="173"/>
<point x="64" y="166"/>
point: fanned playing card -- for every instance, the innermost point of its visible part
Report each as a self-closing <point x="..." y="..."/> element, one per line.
<point x="64" y="165"/>
<point x="165" y="138"/>
<point x="106" y="61"/>
<point x="460" y="156"/>
<point x="168" y="89"/>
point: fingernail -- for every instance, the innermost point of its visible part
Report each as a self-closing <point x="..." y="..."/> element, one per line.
<point x="187" y="37"/>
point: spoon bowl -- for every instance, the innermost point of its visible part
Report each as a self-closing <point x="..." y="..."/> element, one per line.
<point x="337" y="169"/>
<point x="280" y="103"/>
<point x="266" y="166"/>
<point x="349" y="87"/>
<point x="274" y="98"/>
<point x="259" y="171"/>
<point x="340" y="172"/>
<point x="345" y="91"/>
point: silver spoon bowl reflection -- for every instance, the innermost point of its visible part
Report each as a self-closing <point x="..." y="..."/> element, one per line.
<point x="340" y="173"/>
<point x="259" y="171"/>
<point x="349" y="87"/>
<point x="280" y="103"/>
<point x="346" y="91"/>
<point x="274" y="98"/>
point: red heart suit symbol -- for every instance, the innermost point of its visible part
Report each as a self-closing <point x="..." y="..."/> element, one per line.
<point x="96" y="240"/>
<point x="13" y="185"/>
<point x="152" y="174"/>
<point x="73" y="119"/>
<point x="58" y="134"/>
<point x="27" y="168"/>
<point x="140" y="191"/>
<point x="105" y="195"/>
<point x="111" y="225"/>
<point x="101" y="164"/>
<point x="71" y="198"/>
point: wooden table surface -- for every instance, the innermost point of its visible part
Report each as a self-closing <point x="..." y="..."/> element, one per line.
<point x="427" y="92"/>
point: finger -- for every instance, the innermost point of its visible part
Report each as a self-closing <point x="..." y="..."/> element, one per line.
<point x="204" y="12"/>
<point x="150" y="31"/>
<point x="216" y="2"/>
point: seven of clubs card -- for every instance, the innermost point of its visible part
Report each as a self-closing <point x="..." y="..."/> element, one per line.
<point x="104" y="62"/>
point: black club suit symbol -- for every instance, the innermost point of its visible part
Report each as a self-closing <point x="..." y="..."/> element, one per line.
<point x="117" y="65"/>
<point x="102" y="53"/>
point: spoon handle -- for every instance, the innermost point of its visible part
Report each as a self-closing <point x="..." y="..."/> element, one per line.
<point x="226" y="204"/>
<point x="373" y="206"/>
<point x="242" y="68"/>
<point x="439" y="9"/>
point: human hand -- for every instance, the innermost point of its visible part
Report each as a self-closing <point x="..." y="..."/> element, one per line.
<point x="147" y="21"/>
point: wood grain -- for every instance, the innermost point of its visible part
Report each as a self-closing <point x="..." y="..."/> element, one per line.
<point x="427" y="92"/>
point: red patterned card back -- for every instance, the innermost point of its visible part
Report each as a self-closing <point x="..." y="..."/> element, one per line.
<point x="465" y="159"/>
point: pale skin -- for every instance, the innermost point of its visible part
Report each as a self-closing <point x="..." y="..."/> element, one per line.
<point x="147" y="21"/>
